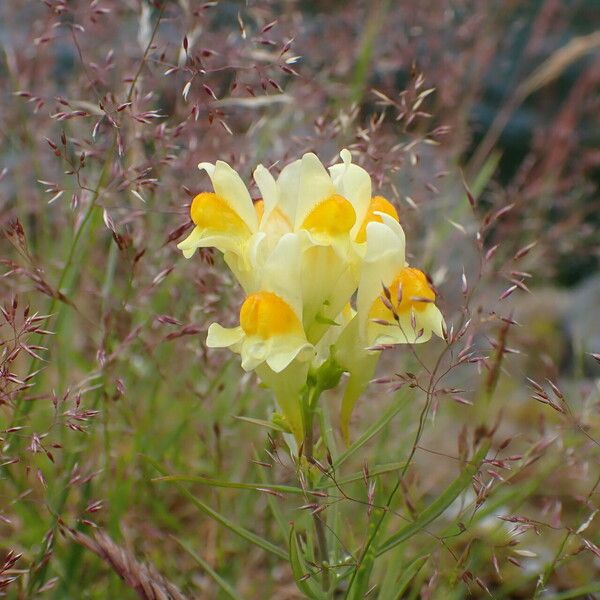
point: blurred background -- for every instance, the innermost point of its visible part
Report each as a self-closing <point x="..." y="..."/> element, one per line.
<point x="478" y="120"/>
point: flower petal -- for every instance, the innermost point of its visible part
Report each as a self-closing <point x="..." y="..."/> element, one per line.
<point x="281" y="272"/>
<point x="385" y="239"/>
<point x="268" y="188"/>
<point x="285" y="350"/>
<point x="354" y="183"/>
<point x="229" y="185"/>
<point x="314" y="186"/>
<point x="191" y="243"/>
<point x="223" y="337"/>
<point x="432" y="319"/>
<point x="288" y="186"/>
<point x="383" y="259"/>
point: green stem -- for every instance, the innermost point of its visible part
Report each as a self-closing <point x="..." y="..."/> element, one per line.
<point x="311" y="400"/>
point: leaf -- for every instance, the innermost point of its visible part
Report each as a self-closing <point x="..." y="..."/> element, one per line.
<point x="257" y="487"/>
<point x="409" y="573"/>
<point x="226" y="587"/>
<point x="300" y="570"/>
<point x="580" y="592"/>
<point x="360" y="583"/>
<point x="440" y="504"/>
<point x="262" y="423"/>
<point x="243" y="533"/>
<point x="325" y="320"/>
<point x="558" y="62"/>
<point x="273" y="505"/>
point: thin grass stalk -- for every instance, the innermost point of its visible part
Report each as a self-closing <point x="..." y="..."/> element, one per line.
<point x="308" y="450"/>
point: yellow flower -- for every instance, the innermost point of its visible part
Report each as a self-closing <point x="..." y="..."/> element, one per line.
<point x="270" y="329"/>
<point x="314" y="239"/>
<point x="409" y="315"/>
<point x="225" y="219"/>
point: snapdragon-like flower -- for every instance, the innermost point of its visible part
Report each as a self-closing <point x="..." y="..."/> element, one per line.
<point x="394" y="306"/>
<point x="315" y="239"/>
<point x="225" y="218"/>
<point x="395" y="302"/>
<point x="270" y="329"/>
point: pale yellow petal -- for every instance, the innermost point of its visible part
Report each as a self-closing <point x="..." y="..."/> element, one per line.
<point x="268" y="188"/>
<point x="254" y="352"/>
<point x="315" y="185"/>
<point x="223" y="337"/>
<point x="281" y="271"/>
<point x="354" y="183"/>
<point x="191" y="243"/>
<point x="284" y="351"/>
<point x="328" y="281"/>
<point x="288" y="186"/>
<point x="432" y="319"/>
<point x="385" y="239"/>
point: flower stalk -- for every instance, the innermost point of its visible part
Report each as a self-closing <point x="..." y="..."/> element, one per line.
<point x="311" y="403"/>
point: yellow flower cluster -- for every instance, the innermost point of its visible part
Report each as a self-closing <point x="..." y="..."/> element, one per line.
<point x="316" y="240"/>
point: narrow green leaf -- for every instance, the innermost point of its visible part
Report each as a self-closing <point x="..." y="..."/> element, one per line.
<point x="360" y="583"/>
<point x="389" y="569"/>
<point x="262" y="423"/>
<point x="226" y="587"/>
<point x="286" y="489"/>
<point x="409" y="573"/>
<point x="273" y="505"/>
<point x="300" y="570"/>
<point x="440" y="504"/>
<point x="580" y="592"/>
<point x="243" y="533"/>
<point x="325" y="320"/>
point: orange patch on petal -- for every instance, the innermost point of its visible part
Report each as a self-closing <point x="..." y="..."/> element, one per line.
<point x="259" y="207"/>
<point x="265" y="315"/>
<point x="332" y="216"/>
<point x="211" y="212"/>
<point x="416" y="293"/>
<point x="378" y="204"/>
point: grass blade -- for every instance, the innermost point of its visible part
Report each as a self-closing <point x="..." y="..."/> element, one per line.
<point x="261" y="423"/>
<point x="257" y="487"/>
<point x="241" y="531"/>
<point x="273" y="505"/>
<point x="580" y="592"/>
<point x="360" y="584"/>
<point x="408" y="575"/>
<point x="226" y="587"/>
<point x="302" y="574"/>
<point x="440" y="504"/>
